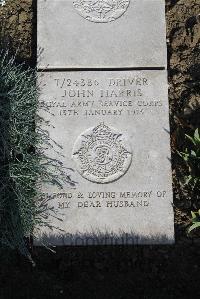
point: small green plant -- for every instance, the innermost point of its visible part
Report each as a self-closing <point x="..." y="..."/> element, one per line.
<point x="192" y="158"/>
<point x="23" y="163"/>
<point x="195" y="221"/>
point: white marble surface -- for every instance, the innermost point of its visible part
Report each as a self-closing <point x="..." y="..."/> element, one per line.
<point x="135" y="207"/>
<point x="135" y="36"/>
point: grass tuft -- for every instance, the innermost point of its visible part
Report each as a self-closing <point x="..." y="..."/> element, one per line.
<point x="23" y="164"/>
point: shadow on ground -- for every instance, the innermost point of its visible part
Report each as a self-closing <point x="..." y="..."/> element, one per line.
<point x="124" y="272"/>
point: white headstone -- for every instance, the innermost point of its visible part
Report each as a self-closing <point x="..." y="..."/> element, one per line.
<point x="113" y="127"/>
<point x="101" y="34"/>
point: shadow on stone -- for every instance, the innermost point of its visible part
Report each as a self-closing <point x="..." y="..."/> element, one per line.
<point x="97" y="238"/>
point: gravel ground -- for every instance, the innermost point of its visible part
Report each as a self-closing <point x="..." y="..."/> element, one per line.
<point x="123" y="272"/>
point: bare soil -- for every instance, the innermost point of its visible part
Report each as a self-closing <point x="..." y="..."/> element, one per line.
<point x="120" y="272"/>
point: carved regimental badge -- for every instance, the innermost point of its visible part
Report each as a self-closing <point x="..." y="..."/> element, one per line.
<point x="102" y="154"/>
<point x="101" y="11"/>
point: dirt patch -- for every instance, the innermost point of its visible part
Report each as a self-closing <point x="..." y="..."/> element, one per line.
<point x="122" y="272"/>
<point x="18" y="29"/>
<point x="183" y="37"/>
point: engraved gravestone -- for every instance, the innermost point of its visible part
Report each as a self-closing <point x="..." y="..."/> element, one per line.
<point x="112" y="126"/>
<point x="114" y="131"/>
<point x="101" y="34"/>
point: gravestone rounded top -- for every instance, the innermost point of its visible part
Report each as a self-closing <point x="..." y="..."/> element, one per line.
<point x="101" y="11"/>
<point x="102" y="154"/>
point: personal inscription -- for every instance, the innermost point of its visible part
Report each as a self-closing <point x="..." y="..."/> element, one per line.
<point x="102" y="154"/>
<point x="101" y="11"/>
